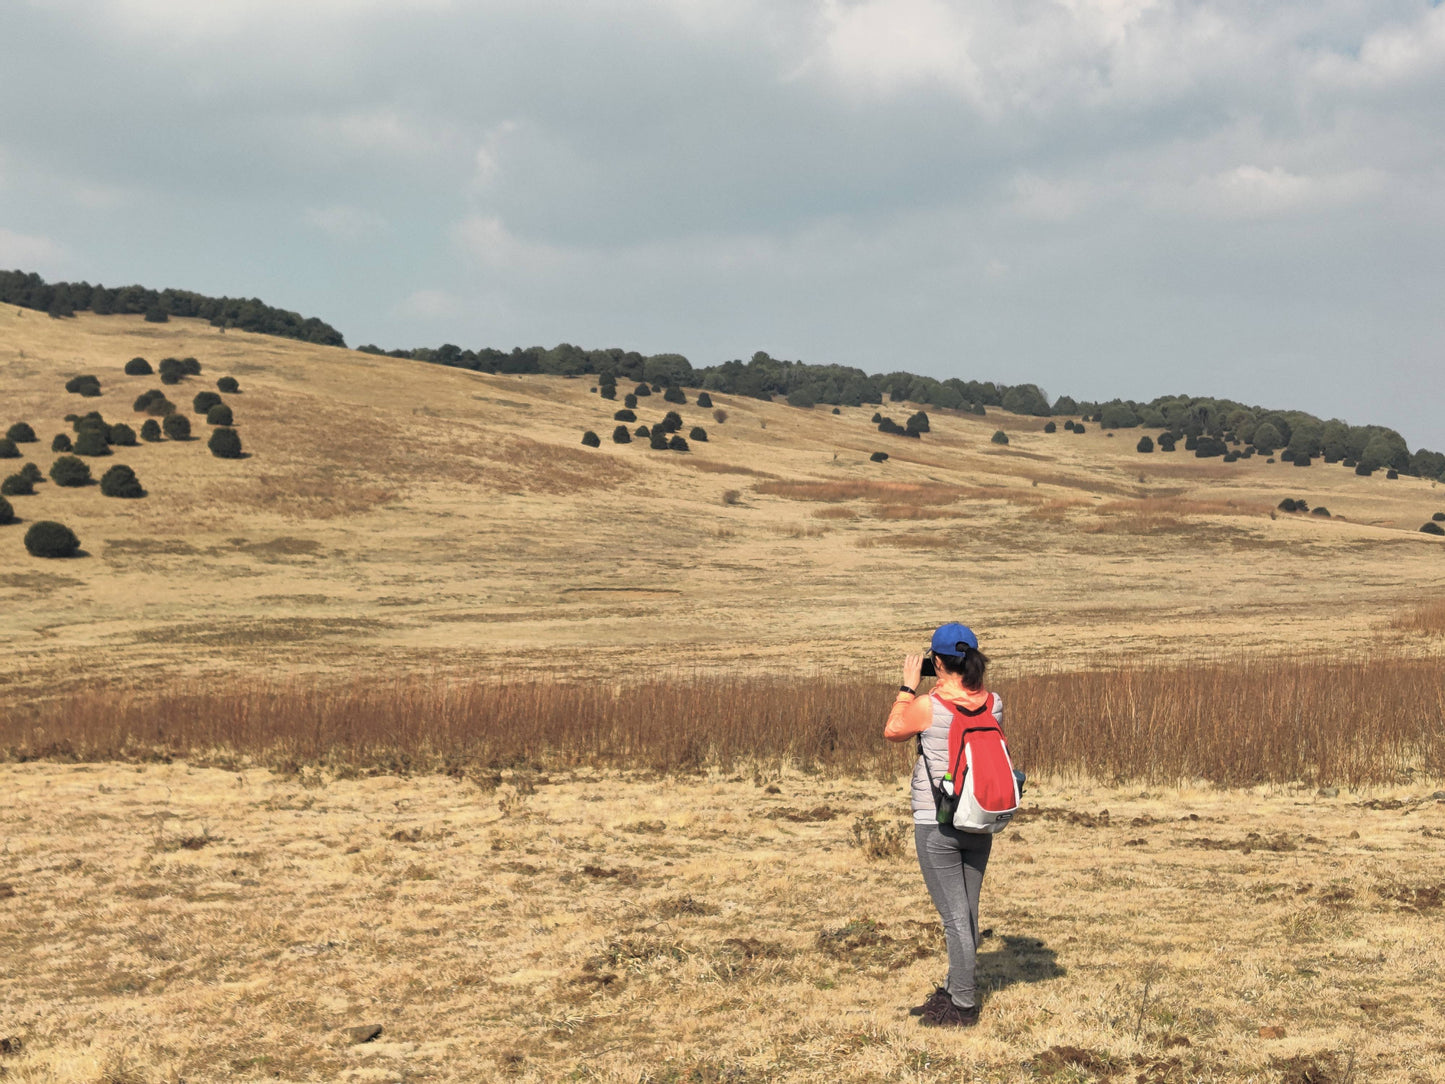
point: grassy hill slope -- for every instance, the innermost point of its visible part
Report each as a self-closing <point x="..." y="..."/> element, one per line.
<point x="396" y="516"/>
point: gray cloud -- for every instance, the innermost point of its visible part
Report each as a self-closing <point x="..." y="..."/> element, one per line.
<point x="1109" y="197"/>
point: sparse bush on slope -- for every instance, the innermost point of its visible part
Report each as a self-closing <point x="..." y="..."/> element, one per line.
<point x="228" y="385"/>
<point x="677" y="443"/>
<point x="999" y="437"/>
<point x="177" y="427"/>
<point x="620" y="435"/>
<point x="60" y="442"/>
<point x="878" y="457"/>
<point x="17" y="485"/>
<point x="698" y="433"/>
<point x="50" y="539"/>
<point x="204" y="400"/>
<point x="70" y="472"/>
<point x="151" y="430"/>
<point x="138" y="367"/>
<point x="7" y="514"/>
<point x="121" y="435"/>
<point x="624" y="416"/>
<point x="1432" y="528"/>
<point x="120" y="481"/>
<point x="1050" y="427"/>
<point x="224" y="443"/>
<point x="674" y="394"/>
<point x="91" y="442"/>
<point x="21" y="433"/>
<point x="704" y="400"/>
<point x="87" y="386"/>
<point x="220" y="414"/>
<point x="8" y="449"/>
<point x="591" y="439"/>
<point x="1146" y="444"/>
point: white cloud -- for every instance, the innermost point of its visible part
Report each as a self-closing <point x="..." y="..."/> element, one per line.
<point x="890" y="45"/>
<point x="487" y="241"/>
<point x="1250" y="191"/>
<point x="488" y="159"/>
<point x="429" y="304"/>
<point x="345" y="222"/>
<point x="28" y="252"/>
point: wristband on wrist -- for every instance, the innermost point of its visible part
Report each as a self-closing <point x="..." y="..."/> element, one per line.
<point x="906" y="689"/>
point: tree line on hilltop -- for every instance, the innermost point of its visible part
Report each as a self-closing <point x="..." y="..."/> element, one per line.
<point x="64" y="299"/>
<point x="1294" y="433"/>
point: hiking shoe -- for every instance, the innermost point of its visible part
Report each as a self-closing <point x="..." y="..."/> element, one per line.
<point x="951" y="1016"/>
<point x="935" y="1003"/>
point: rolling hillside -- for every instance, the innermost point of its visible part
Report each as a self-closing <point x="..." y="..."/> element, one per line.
<point x="396" y="516"/>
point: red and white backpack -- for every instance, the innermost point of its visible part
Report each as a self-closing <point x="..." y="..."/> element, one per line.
<point x="981" y="791"/>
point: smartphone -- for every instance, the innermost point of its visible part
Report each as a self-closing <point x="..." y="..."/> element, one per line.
<point x="928" y="668"/>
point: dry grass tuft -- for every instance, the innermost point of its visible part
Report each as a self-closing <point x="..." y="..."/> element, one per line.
<point x="1428" y="618"/>
<point x="1339" y="722"/>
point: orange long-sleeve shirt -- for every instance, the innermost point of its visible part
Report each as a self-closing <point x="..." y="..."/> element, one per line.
<point x="912" y="714"/>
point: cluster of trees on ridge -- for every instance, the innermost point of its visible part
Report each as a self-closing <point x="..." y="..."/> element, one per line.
<point x="1292" y="432"/>
<point x="1295" y="433"/>
<point x="64" y="299"/>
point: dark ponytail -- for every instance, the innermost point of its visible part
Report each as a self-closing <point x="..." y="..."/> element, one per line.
<point x="970" y="666"/>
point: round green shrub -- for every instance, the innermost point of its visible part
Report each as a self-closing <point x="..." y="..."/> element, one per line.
<point x="878" y="457"/>
<point x="698" y="433"/>
<point x="204" y="400"/>
<point x="8" y="449"/>
<point x="91" y="442"/>
<point x="1288" y="505"/>
<point x="591" y="439"/>
<point x="50" y="539"/>
<point x="1166" y="442"/>
<point x="1432" y="528"/>
<point x="171" y="370"/>
<point x="1392" y="474"/>
<point x="70" y="471"/>
<point x="177" y="427"/>
<point x="71" y="419"/>
<point x="151" y="430"/>
<point x="1364" y="470"/>
<point x="641" y="390"/>
<point x="1439" y="517"/>
<point x="624" y="416"/>
<point x="917" y="423"/>
<point x="17" y="485"/>
<point x="120" y="481"/>
<point x="1146" y="444"/>
<point x="671" y="422"/>
<point x="1050" y="427"/>
<point x="658" y="440"/>
<point x="228" y="385"/>
<point x="160" y="407"/>
<point x="190" y="366"/>
<point x="138" y="367"/>
<point x="1320" y="510"/>
<point x="87" y="386"/>
<point x="999" y="437"/>
<point x="7" y="514"/>
<point x="608" y="391"/>
<point x="1078" y="427"/>
<point x="674" y="394"/>
<point x="642" y="431"/>
<point x="630" y="401"/>
<point x="876" y="418"/>
<point x="704" y="400"/>
<point x="1349" y="463"/>
<point x="122" y="436"/>
<point x="31" y="471"/>
<point x="144" y="399"/>
<point x="1069" y="424"/>
<point x="60" y="443"/>
<point x="1302" y="460"/>
<point x="620" y="435"/>
<point x="837" y="411"/>
<point x="21" y="433"/>
<point x="220" y="414"/>
<point x="224" y="443"/>
<point x="677" y="443"/>
<point x="93" y="420"/>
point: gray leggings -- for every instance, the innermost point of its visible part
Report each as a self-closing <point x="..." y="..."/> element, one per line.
<point x="953" y="863"/>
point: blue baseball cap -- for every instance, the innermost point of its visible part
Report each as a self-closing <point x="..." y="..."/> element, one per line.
<point x="952" y="638"/>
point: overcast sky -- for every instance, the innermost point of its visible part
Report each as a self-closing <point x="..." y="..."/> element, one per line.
<point x="1104" y="197"/>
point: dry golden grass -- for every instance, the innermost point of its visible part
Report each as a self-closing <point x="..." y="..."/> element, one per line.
<point x="169" y="923"/>
<point x="383" y="497"/>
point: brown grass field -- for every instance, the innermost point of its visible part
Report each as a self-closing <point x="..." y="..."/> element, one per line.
<point x="563" y="763"/>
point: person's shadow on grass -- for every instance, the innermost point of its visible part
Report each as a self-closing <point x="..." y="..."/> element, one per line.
<point x="1008" y="960"/>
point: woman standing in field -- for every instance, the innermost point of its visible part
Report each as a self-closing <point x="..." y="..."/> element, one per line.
<point x="952" y="862"/>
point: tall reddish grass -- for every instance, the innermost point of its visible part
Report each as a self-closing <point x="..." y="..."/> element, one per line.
<point x="1351" y="723"/>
